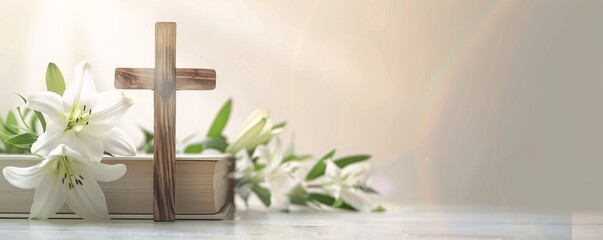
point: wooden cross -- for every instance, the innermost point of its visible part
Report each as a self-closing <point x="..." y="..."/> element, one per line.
<point x="164" y="80"/>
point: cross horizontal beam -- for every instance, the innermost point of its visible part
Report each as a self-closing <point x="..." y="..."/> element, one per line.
<point x="186" y="78"/>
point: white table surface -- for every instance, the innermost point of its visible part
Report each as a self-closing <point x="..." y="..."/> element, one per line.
<point x="397" y="223"/>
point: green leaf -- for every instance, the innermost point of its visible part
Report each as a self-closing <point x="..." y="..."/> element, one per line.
<point x="328" y="155"/>
<point x="279" y="125"/>
<point x="298" y="195"/>
<point x="317" y="171"/>
<point x="258" y="167"/>
<point x="41" y="119"/>
<point x="344" y="161"/>
<point x="147" y="145"/>
<point x="23" y="115"/>
<point x="278" y="128"/>
<point x="293" y="157"/>
<point x="33" y="123"/>
<point x="337" y="203"/>
<point x="54" y="79"/>
<point x="262" y="193"/>
<point x="297" y="200"/>
<point x="148" y="135"/>
<point x="378" y="209"/>
<point x="194" y="148"/>
<point x="23" y="98"/>
<point x="219" y="144"/>
<point x="22" y="139"/>
<point x="330" y="201"/>
<point x="148" y="148"/>
<point x="11" y="124"/>
<point x="368" y="189"/>
<point x="4" y="135"/>
<point x="219" y="123"/>
<point x="26" y="112"/>
<point x="320" y="166"/>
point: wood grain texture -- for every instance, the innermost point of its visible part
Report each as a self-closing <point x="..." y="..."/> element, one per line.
<point x="165" y="79"/>
<point x="165" y="116"/>
<point x="186" y="78"/>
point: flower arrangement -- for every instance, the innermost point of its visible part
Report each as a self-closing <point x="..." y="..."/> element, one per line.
<point x="281" y="177"/>
<point x="77" y="129"/>
<point x="72" y="127"/>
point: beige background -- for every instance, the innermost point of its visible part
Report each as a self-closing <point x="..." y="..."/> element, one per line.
<point x="460" y="102"/>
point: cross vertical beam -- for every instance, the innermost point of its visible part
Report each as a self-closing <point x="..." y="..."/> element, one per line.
<point x="165" y="116"/>
<point x="165" y="79"/>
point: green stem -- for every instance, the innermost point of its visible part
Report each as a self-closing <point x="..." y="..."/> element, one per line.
<point x="23" y="121"/>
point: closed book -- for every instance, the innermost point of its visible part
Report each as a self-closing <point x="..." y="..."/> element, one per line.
<point x="203" y="188"/>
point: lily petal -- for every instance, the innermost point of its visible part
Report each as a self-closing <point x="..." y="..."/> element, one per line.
<point x="281" y="184"/>
<point x="243" y="161"/>
<point x="262" y="153"/>
<point x="105" y="172"/>
<point x="81" y="91"/>
<point x="108" y="112"/>
<point x="263" y="136"/>
<point x="64" y="150"/>
<point x="100" y="171"/>
<point x="246" y="136"/>
<point x="50" y="104"/>
<point x="48" y="197"/>
<point x="357" y="173"/>
<point x="88" y="201"/>
<point x="276" y="149"/>
<point x="52" y="138"/>
<point x="254" y="117"/>
<point x="27" y="177"/>
<point x="118" y="142"/>
<point x="357" y="199"/>
<point x="90" y="148"/>
<point x="332" y="171"/>
<point x="244" y="191"/>
<point x="243" y="166"/>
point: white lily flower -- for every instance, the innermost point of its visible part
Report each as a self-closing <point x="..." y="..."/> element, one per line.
<point x="244" y="166"/>
<point x="65" y="176"/>
<point x="256" y="130"/>
<point x="245" y="172"/>
<point x="343" y="184"/>
<point x="78" y="120"/>
<point x="278" y="177"/>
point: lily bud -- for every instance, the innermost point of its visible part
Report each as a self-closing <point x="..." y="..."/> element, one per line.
<point x="256" y="130"/>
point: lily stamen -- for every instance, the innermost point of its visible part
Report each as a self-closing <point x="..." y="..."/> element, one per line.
<point x="79" y="119"/>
